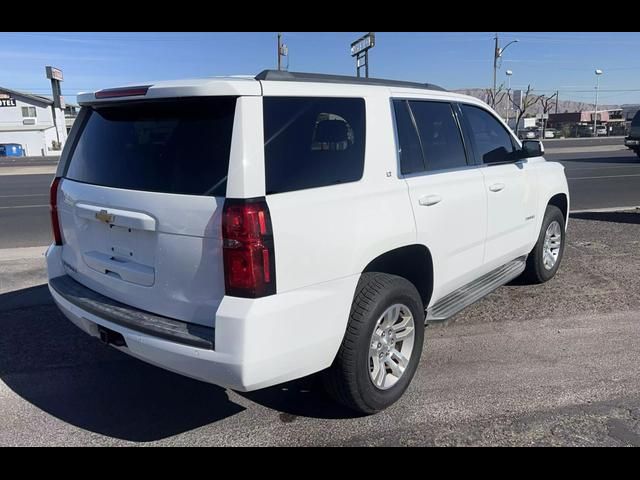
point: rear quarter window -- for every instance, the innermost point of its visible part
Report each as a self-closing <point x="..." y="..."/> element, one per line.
<point x="312" y="142"/>
<point x="172" y="146"/>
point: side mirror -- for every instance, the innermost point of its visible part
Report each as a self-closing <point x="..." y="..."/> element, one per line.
<point x="532" y="148"/>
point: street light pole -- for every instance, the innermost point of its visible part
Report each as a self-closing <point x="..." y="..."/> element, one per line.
<point x="497" y="53"/>
<point x="509" y="73"/>
<point x="595" y="113"/>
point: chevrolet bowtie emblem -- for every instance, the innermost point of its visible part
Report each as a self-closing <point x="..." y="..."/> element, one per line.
<point x="105" y="216"/>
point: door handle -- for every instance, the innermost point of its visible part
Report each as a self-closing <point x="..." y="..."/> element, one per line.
<point x="496" y="187"/>
<point x="429" y="200"/>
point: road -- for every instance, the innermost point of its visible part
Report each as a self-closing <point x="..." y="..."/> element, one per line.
<point x="596" y="180"/>
<point x="601" y="180"/>
<point x="24" y="210"/>
<point x="555" y="364"/>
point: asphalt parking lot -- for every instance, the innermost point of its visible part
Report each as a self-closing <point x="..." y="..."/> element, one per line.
<point x="555" y="364"/>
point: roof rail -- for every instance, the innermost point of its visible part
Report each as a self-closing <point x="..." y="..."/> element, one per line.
<point x="284" y="76"/>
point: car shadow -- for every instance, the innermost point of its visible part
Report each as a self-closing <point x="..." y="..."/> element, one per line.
<point x="631" y="217"/>
<point x="304" y="397"/>
<point x="56" y="367"/>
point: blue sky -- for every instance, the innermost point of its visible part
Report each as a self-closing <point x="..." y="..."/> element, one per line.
<point x="546" y="60"/>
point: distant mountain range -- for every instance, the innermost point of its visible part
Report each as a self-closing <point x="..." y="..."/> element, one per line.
<point x="563" y="105"/>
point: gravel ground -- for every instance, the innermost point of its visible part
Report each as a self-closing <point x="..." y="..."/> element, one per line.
<point x="556" y="364"/>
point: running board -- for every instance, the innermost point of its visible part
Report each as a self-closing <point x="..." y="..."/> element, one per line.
<point x="451" y="304"/>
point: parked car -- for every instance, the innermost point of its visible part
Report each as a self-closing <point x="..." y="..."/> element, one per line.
<point x="550" y="133"/>
<point x="247" y="232"/>
<point x="584" y="131"/>
<point x="632" y="141"/>
<point x="11" y="150"/>
<point x="601" y="130"/>
<point x="529" y="133"/>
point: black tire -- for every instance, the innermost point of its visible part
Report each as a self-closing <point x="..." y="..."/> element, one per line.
<point x="348" y="380"/>
<point x="535" y="271"/>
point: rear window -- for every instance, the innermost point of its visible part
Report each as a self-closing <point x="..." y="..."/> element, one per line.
<point x="312" y="142"/>
<point x="172" y="146"/>
<point x="636" y="120"/>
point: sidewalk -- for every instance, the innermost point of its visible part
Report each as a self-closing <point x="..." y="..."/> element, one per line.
<point x="586" y="149"/>
<point x="28" y="170"/>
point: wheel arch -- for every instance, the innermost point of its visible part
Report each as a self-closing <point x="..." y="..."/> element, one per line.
<point x="412" y="262"/>
<point x="561" y="201"/>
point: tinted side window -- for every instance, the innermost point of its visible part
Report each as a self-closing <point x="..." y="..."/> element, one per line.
<point x="440" y="136"/>
<point x="411" y="159"/>
<point x="636" y="120"/>
<point x="493" y="142"/>
<point x="312" y="142"/>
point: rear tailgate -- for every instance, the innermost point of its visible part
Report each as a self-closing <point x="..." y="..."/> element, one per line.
<point x="140" y="203"/>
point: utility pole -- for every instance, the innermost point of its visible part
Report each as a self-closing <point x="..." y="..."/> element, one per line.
<point x="497" y="53"/>
<point x="283" y="51"/>
<point x="279" y="50"/>
<point x="557" y="97"/>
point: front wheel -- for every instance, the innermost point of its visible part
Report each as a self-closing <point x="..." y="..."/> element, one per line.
<point x="382" y="345"/>
<point x="544" y="260"/>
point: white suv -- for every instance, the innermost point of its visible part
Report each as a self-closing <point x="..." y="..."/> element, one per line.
<point x="250" y="231"/>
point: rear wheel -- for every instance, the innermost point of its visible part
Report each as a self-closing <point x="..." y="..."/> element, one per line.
<point x="544" y="260"/>
<point x="382" y="345"/>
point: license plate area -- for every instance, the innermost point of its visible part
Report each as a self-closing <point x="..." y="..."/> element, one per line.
<point x="120" y="252"/>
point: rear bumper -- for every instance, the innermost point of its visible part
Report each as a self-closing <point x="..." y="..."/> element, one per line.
<point x="132" y="318"/>
<point x="258" y="342"/>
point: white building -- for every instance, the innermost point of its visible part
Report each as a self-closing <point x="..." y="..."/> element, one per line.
<point x="28" y="120"/>
<point x="71" y="111"/>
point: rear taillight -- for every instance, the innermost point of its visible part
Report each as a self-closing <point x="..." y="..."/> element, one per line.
<point x="53" y="206"/>
<point x="249" y="261"/>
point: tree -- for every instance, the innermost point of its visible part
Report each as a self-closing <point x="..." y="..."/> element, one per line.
<point x="528" y="101"/>
<point x="547" y="104"/>
<point x="495" y="99"/>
